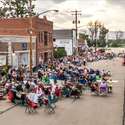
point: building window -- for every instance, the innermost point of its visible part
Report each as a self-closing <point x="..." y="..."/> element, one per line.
<point x="39" y="37"/>
<point x="24" y="46"/>
<point x="41" y="34"/>
<point x="45" y="56"/>
<point x="54" y="39"/>
<point x="45" y="38"/>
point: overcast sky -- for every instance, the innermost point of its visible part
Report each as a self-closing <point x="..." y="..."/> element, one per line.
<point x="109" y="12"/>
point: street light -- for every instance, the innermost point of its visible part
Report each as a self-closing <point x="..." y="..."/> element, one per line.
<point x="31" y="30"/>
<point x="47" y="12"/>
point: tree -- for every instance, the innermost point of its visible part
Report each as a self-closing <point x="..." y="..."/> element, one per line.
<point x="93" y="30"/>
<point x="102" y="36"/>
<point x="114" y="43"/>
<point x="3" y="9"/>
<point x="83" y="37"/>
<point x="60" y="52"/>
<point x="15" y="8"/>
<point x="97" y="34"/>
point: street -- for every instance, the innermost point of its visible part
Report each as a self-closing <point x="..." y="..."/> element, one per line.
<point x="89" y="110"/>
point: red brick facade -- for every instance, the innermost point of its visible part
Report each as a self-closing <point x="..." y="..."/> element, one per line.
<point x="42" y="30"/>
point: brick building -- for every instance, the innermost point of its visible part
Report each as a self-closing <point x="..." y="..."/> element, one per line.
<point x="14" y="40"/>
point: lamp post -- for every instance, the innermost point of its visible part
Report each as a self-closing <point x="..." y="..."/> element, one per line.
<point x="31" y="31"/>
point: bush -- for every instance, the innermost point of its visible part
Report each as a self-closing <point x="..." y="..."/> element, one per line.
<point x="60" y="52"/>
<point x="116" y="43"/>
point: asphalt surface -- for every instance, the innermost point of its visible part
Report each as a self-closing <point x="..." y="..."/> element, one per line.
<point x="89" y="110"/>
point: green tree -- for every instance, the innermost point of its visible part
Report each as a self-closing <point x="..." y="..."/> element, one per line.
<point x="102" y="36"/>
<point x="3" y="9"/>
<point x="16" y="8"/>
<point x="59" y="52"/>
<point x="97" y="34"/>
<point x="83" y="37"/>
<point x="115" y="44"/>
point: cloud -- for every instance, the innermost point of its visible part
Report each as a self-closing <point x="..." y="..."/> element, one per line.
<point x="102" y="10"/>
<point x="116" y="1"/>
<point x="87" y="15"/>
<point x="120" y="3"/>
<point x="110" y="12"/>
<point x="58" y="1"/>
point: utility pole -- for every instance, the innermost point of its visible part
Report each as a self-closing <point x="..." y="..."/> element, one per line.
<point x="76" y="13"/>
<point x="30" y="32"/>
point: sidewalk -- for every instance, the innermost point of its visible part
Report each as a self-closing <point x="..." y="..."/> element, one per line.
<point x="5" y="105"/>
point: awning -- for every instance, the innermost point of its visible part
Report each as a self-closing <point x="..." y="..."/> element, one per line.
<point x="15" y="38"/>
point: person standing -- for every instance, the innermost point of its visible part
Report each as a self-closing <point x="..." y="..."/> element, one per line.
<point x="84" y="62"/>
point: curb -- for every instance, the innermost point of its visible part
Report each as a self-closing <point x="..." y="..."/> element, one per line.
<point x="2" y="112"/>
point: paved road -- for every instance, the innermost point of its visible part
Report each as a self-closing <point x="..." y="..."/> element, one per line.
<point x="90" y="110"/>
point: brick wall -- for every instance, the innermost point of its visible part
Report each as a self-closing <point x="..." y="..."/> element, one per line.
<point x="20" y="27"/>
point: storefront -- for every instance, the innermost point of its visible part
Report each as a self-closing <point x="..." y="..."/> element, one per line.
<point x="16" y="53"/>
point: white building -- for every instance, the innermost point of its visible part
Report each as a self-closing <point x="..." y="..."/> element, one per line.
<point x="65" y="38"/>
<point x="112" y="35"/>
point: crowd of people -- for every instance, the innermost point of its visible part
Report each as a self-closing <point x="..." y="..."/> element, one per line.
<point x="67" y="77"/>
<point x="100" y="55"/>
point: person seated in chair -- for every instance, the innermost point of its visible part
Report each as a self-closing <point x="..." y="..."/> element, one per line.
<point x="95" y="87"/>
<point x="103" y="87"/>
